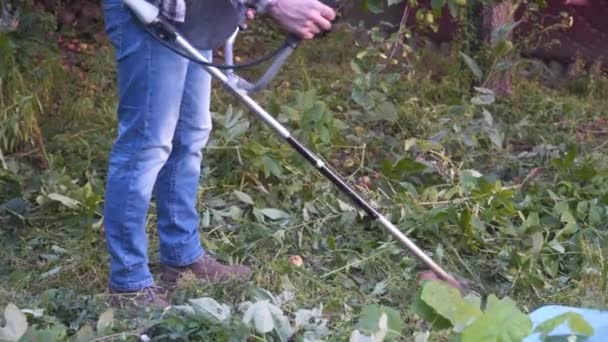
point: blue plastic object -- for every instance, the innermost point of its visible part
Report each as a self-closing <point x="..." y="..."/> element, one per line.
<point x="598" y="319"/>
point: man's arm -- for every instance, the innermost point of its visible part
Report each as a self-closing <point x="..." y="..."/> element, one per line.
<point x="305" y="18"/>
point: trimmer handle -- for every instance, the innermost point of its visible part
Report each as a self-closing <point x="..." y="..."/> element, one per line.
<point x="291" y="43"/>
<point x="295" y="39"/>
<point x="162" y="29"/>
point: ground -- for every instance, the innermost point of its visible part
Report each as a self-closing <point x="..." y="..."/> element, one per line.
<point x="508" y="193"/>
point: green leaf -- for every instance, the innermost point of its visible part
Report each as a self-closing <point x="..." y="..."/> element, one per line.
<point x="568" y="217"/>
<point x="258" y="293"/>
<point x="243" y="197"/>
<point x="105" y="321"/>
<point x="582" y="207"/>
<point x="210" y="309"/>
<point x="437" y="4"/>
<point x="448" y="303"/>
<point x="537" y="241"/>
<point x="595" y="215"/>
<point x="507" y="323"/>
<point x="274" y="214"/>
<point x="258" y="315"/>
<point x="387" y="111"/>
<point x="550" y="264"/>
<point x="570" y="156"/>
<point x="586" y="172"/>
<point x="380" y="288"/>
<point x="258" y="214"/>
<point x="304" y="317"/>
<point x="370" y="319"/>
<point x="345" y="207"/>
<point x="85" y="334"/>
<point x="206" y="219"/>
<point x="569" y="228"/>
<point x="272" y="166"/>
<point x="501" y="33"/>
<point x="51" y="333"/>
<point x="357" y="336"/>
<point x="579" y="325"/>
<point x="469" y="178"/>
<point x="37" y="313"/>
<point x="567" y="160"/>
<point x="374" y="6"/>
<point x="532" y="221"/>
<point x="473" y="299"/>
<point x="546" y="327"/>
<point x="16" y="324"/>
<point x="466" y="223"/>
<point x="51" y="272"/>
<point x="281" y="323"/>
<point x="266" y="317"/>
<point x="556" y="246"/>
<point x="67" y="201"/>
<point x="492" y="301"/>
<point x="408" y="165"/>
<point x="576" y="323"/>
<point x="497" y="137"/>
<point x="483" y="99"/>
<point x="428" y="314"/>
<point x="235" y="212"/>
<point x="331" y="242"/>
<point x="487" y="116"/>
<point x="472" y="65"/>
<point x="184" y="309"/>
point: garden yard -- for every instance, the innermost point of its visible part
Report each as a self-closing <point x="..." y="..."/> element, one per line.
<point x="508" y="192"/>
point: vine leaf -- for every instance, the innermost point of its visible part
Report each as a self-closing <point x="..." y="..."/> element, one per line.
<point x="507" y="321"/>
<point x="470" y="62"/>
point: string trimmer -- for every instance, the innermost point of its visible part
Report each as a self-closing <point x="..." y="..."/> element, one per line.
<point x="190" y="37"/>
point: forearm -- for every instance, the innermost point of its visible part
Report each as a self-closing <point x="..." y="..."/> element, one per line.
<point x="305" y="18"/>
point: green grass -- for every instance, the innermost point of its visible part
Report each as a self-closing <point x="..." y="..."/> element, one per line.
<point x="54" y="254"/>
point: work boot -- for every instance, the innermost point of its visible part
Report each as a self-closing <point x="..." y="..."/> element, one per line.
<point x="149" y="296"/>
<point x="207" y="269"/>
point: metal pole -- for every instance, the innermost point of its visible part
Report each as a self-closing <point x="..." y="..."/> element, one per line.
<point x="317" y="162"/>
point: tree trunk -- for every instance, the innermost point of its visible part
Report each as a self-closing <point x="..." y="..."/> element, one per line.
<point x="494" y="16"/>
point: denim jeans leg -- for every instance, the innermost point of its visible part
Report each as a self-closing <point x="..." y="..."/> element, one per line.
<point x="177" y="186"/>
<point x="151" y="81"/>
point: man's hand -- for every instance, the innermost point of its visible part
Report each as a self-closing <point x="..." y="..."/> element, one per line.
<point x="305" y="18"/>
<point x="250" y="14"/>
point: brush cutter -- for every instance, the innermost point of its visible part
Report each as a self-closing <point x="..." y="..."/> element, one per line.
<point x="211" y="24"/>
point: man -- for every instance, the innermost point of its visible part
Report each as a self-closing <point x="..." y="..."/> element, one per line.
<point x="163" y="123"/>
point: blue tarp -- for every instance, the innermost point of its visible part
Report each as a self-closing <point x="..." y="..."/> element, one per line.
<point x="596" y="318"/>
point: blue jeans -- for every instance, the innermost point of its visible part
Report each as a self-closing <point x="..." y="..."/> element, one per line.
<point x="164" y="122"/>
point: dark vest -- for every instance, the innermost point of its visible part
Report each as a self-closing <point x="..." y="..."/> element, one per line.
<point x="209" y="23"/>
